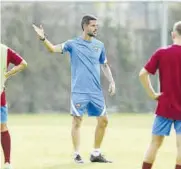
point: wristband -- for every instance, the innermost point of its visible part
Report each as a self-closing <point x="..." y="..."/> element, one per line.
<point x="42" y="39"/>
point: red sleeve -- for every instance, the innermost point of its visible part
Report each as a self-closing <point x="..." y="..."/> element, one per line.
<point x="13" y="57"/>
<point x="152" y="65"/>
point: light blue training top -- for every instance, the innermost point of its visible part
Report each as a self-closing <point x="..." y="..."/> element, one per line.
<point x="86" y="57"/>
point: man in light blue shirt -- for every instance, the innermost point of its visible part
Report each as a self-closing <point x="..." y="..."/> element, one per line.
<point x="86" y="57"/>
<point x="87" y="54"/>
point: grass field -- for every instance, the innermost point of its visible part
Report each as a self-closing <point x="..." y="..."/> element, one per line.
<point x="43" y="142"/>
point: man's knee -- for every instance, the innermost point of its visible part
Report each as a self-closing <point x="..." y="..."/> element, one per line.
<point x="179" y="144"/>
<point x="103" y="122"/>
<point x="179" y="147"/>
<point x="179" y="153"/>
<point x="157" y="141"/>
<point x="77" y="122"/>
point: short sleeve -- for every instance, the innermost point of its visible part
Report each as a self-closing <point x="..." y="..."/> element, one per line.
<point x="152" y="65"/>
<point x="67" y="46"/>
<point x="13" y="57"/>
<point x="103" y="58"/>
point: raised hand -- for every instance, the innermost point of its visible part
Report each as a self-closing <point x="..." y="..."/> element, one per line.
<point x="40" y="31"/>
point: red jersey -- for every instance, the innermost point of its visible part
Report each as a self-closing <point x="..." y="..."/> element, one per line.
<point x="14" y="58"/>
<point x="168" y="62"/>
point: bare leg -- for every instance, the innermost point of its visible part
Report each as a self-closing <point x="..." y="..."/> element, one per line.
<point x="76" y="124"/>
<point x="96" y="156"/>
<point x="178" y="160"/>
<point x="102" y="122"/>
<point x="152" y="150"/>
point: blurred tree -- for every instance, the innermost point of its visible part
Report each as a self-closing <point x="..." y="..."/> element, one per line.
<point x="130" y="32"/>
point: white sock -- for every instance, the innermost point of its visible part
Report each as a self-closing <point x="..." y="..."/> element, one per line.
<point x="96" y="152"/>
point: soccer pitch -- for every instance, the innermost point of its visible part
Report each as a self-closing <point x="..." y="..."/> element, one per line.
<point x="43" y="141"/>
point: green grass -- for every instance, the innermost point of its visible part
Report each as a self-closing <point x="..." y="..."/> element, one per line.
<point x="43" y="141"/>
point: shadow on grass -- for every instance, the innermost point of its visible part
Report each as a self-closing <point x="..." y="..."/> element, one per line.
<point x="71" y="165"/>
<point x="68" y="165"/>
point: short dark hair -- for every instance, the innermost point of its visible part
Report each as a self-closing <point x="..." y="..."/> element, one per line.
<point x="86" y="19"/>
<point x="177" y="27"/>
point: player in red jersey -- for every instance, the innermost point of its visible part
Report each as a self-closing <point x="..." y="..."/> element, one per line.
<point x="168" y="63"/>
<point x="7" y="56"/>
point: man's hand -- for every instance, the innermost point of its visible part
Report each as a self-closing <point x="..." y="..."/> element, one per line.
<point x="13" y="71"/>
<point x="155" y="96"/>
<point x="40" y="31"/>
<point x="145" y="81"/>
<point x="112" y="88"/>
<point x="7" y="77"/>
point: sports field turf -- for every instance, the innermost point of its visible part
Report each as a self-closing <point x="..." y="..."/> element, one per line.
<point x="43" y="141"/>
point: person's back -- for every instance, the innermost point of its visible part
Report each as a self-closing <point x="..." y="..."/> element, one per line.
<point x="168" y="112"/>
<point x="169" y="66"/>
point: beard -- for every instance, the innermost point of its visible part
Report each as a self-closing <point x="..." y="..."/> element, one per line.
<point x="91" y="34"/>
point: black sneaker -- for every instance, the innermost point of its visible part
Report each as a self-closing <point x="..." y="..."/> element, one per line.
<point x="99" y="159"/>
<point x="78" y="159"/>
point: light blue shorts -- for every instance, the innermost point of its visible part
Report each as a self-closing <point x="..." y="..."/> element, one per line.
<point x="162" y="126"/>
<point x="4" y="114"/>
<point x="93" y="104"/>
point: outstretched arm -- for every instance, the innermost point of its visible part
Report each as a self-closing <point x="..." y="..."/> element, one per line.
<point x="41" y="34"/>
<point x="107" y="72"/>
